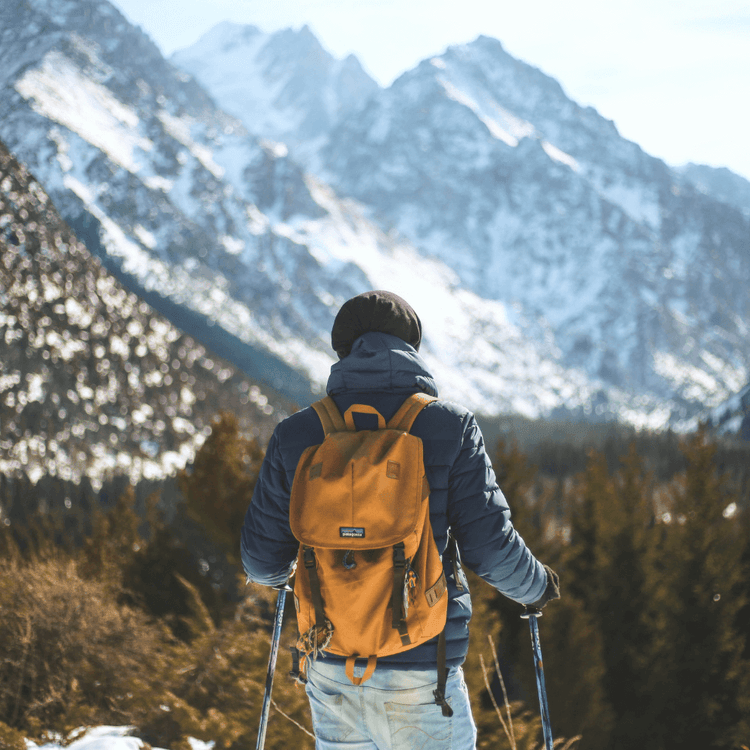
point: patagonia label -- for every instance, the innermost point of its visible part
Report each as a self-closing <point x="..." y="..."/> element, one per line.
<point x="350" y="532"/>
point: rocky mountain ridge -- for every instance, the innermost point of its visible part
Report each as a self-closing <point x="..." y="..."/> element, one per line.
<point x="556" y="266"/>
<point x="635" y="270"/>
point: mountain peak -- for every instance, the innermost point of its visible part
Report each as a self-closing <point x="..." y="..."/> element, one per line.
<point x="227" y="34"/>
<point x="285" y="86"/>
<point x="507" y="214"/>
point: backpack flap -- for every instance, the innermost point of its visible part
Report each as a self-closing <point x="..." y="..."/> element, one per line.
<point x="358" y="490"/>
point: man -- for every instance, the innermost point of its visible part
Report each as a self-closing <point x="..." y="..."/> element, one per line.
<point x="377" y="336"/>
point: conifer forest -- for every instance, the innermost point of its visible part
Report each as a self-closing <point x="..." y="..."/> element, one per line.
<point x="139" y="616"/>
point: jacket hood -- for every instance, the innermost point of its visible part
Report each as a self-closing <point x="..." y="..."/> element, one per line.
<point x="380" y="362"/>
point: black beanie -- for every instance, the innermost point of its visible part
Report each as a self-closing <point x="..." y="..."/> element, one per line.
<point x="379" y="311"/>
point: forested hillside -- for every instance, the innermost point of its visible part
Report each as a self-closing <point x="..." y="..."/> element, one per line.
<point x="647" y="648"/>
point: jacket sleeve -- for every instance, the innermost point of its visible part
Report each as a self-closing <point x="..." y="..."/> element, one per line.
<point x="268" y="547"/>
<point x="479" y="517"/>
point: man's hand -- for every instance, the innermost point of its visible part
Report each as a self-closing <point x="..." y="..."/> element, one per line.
<point x="551" y="592"/>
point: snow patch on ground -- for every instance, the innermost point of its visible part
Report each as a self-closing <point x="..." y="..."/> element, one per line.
<point x="105" y="738"/>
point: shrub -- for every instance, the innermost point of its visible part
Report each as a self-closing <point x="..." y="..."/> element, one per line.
<point x="218" y="690"/>
<point x="69" y="654"/>
<point x="11" y="739"/>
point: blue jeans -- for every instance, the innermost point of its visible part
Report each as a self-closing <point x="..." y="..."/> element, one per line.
<point x="393" y="710"/>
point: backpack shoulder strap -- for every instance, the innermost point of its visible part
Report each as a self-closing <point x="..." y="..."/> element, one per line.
<point x="404" y="418"/>
<point x="330" y="416"/>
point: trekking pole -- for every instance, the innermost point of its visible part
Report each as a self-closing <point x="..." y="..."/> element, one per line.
<point x="278" y="619"/>
<point x="531" y="614"/>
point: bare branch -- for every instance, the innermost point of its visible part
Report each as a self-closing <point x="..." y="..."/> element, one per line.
<point x="505" y="692"/>
<point x="494" y="703"/>
<point x="286" y="716"/>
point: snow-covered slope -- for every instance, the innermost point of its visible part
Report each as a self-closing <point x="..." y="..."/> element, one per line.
<point x="551" y="261"/>
<point x="225" y="233"/>
<point x="283" y="86"/>
<point x="93" y="383"/>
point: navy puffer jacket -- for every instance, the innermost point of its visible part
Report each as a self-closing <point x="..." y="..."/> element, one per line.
<point x="382" y="370"/>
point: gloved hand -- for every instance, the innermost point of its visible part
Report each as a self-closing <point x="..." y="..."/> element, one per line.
<point x="551" y="592"/>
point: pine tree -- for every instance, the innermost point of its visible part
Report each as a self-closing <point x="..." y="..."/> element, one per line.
<point x="516" y="477"/>
<point x="702" y="682"/>
<point x="622" y="559"/>
<point x="220" y="485"/>
<point x="592" y="497"/>
<point x="606" y="566"/>
<point x="114" y="538"/>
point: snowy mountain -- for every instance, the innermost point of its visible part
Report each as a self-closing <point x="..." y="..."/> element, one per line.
<point x="283" y="86"/>
<point x="552" y="263"/>
<point x="93" y="383"/>
<point x="540" y="204"/>
<point x="635" y="273"/>
<point x="224" y="233"/>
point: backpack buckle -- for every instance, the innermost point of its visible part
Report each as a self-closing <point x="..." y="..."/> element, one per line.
<point x="399" y="555"/>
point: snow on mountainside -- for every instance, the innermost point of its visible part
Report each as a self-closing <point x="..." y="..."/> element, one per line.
<point x="225" y="234"/>
<point x="482" y="161"/>
<point x="92" y="382"/>
<point x="283" y="86"/>
<point x="633" y="272"/>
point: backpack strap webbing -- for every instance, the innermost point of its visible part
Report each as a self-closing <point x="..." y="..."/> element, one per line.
<point x="308" y="556"/>
<point x="330" y="416"/>
<point x="404" y="418"/>
<point x="455" y="558"/>
<point x="371" y="663"/>
<point x="442" y="677"/>
<point x="397" y="599"/>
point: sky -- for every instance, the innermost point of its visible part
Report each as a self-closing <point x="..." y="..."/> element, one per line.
<point x="674" y="75"/>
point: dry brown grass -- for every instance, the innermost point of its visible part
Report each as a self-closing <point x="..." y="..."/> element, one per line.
<point x="69" y="655"/>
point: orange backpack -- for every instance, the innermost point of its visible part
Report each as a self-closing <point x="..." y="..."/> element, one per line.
<point x="369" y="579"/>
